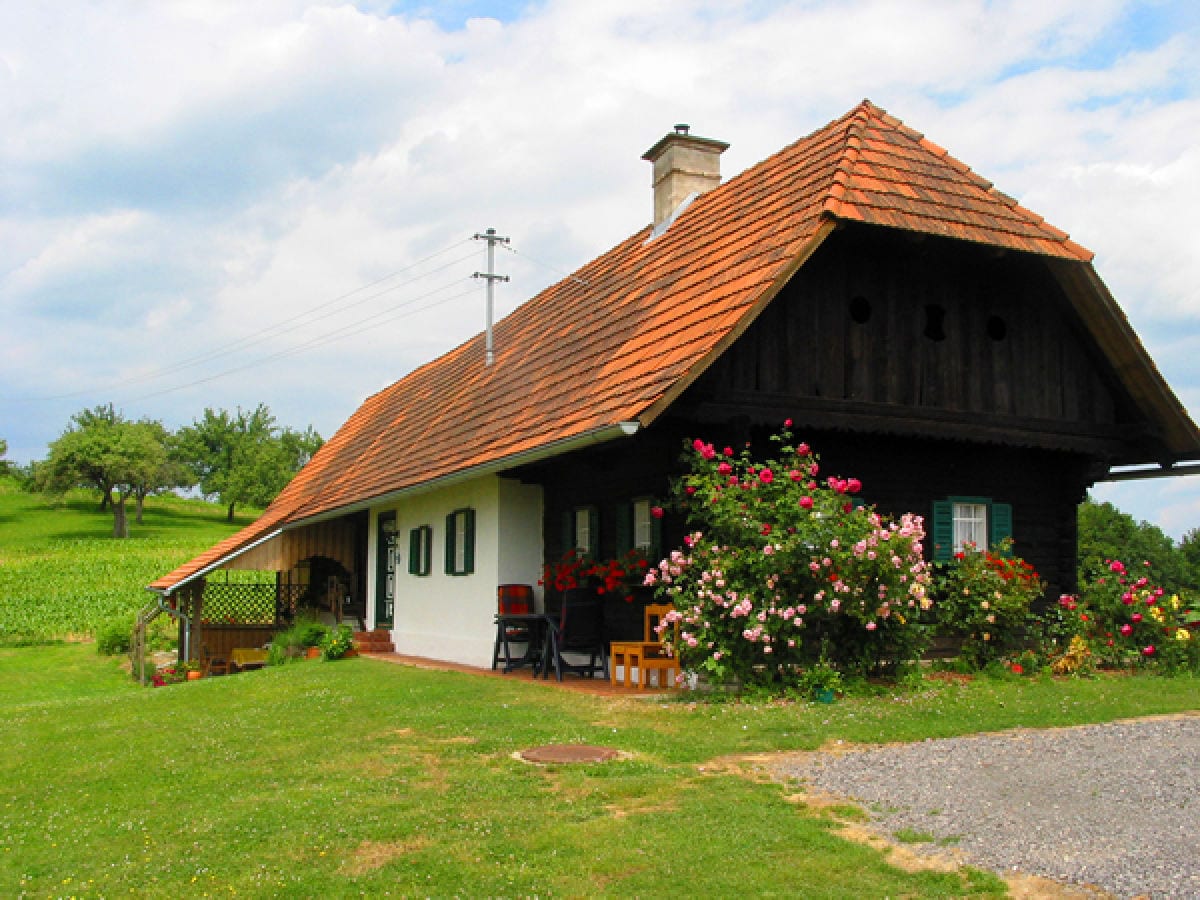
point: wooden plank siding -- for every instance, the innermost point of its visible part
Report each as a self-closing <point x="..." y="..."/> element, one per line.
<point x="926" y="368"/>
<point x="956" y="329"/>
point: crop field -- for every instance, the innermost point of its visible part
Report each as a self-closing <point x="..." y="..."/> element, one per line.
<point x="63" y="575"/>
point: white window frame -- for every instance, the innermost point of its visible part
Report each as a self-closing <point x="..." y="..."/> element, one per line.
<point x="970" y="522"/>
<point x="643" y="525"/>
<point x="584" y="539"/>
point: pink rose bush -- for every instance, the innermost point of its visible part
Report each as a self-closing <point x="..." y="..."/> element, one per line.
<point x="778" y="564"/>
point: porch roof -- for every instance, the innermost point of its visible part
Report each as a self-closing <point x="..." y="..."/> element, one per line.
<point x="620" y="339"/>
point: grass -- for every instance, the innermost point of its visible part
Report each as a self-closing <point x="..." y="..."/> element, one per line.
<point x="61" y="572"/>
<point x="361" y="777"/>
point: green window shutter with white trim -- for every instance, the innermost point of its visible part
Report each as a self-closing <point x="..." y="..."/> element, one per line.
<point x="450" y="544"/>
<point x="469" y="545"/>
<point x="414" y="551"/>
<point x="943" y="530"/>
<point x="1001" y="524"/>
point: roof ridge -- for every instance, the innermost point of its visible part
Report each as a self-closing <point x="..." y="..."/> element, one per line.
<point x="844" y="170"/>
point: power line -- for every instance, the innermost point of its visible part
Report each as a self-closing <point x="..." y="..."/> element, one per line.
<point x="344" y="332"/>
<point x="284" y="326"/>
<point x="545" y="265"/>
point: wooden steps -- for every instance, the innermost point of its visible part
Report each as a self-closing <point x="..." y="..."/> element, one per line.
<point x="377" y="641"/>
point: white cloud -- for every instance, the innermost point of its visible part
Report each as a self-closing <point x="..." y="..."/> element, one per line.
<point x="175" y="176"/>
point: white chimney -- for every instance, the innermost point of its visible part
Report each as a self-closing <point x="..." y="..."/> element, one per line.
<point x="684" y="166"/>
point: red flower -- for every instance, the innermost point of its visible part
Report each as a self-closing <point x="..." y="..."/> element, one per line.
<point x="656" y="511"/>
<point x="1017" y="669"/>
<point x="766" y="476"/>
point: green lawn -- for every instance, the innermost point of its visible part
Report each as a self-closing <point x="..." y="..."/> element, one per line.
<point x="61" y="572"/>
<point x="362" y="777"/>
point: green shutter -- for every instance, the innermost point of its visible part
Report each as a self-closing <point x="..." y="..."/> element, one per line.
<point x="1001" y="525"/>
<point x="943" y="530"/>
<point x="593" y="532"/>
<point x="623" y="518"/>
<point x="656" y="539"/>
<point x="568" y="531"/>
<point x="469" y="546"/>
<point x="414" y="551"/>
<point x="450" y="544"/>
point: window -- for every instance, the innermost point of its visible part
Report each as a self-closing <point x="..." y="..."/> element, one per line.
<point x="637" y="528"/>
<point x="970" y="526"/>
<point x="581" y="531"/>
<point x="420" y="550"/>
<point x="643" y="526"/>
<point x="460" y="542"/>
<point x="968" y="520"/>
<point x="584" y="537"/>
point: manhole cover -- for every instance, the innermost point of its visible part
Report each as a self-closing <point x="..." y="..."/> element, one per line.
<point x="569" y="753"/>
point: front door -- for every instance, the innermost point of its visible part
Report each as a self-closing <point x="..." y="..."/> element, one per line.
<point x="385" y="584"/>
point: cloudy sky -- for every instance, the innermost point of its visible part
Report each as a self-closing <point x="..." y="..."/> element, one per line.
<point x="210" y="203"/>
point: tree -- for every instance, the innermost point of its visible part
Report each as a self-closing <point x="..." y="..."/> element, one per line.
<point x="1189" y="550"/>
<point x="244" y="457"/>
<point x="1106" y="533"/>
<point x="103" y="450"/>
<point x="4" y="465"/>
<point x="158" y="472"/>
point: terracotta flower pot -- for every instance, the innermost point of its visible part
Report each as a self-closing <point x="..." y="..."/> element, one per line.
<point x="194" y="675"/>
<point x="312" y="653"/>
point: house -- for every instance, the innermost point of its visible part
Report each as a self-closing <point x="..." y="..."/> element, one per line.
<point x="926" y="334"/>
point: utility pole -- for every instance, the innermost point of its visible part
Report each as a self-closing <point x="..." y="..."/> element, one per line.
<point x="491" y="277"/>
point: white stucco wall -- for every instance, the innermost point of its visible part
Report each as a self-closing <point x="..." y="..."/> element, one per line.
<point x="451" y="616"/>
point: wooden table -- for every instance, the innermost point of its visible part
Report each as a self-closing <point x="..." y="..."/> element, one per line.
<point x="248" y="657"/>
<point x="535" y="625"/>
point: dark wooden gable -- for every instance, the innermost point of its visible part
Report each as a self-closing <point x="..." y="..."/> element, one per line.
<point x="884" y="332"/>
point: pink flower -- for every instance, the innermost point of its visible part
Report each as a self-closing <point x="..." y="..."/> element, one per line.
<point x="853" y="485"/>
<point x="1116" y="565"/>
<point x="724" y="468"/>
<point x="656" y="511"/>
<point x="766" y="476"/>
<point x="871" y="626"/>
<point x="1137" y="617"/>
<point x="1126" y="629"/>
<point x="689" y="490"/>
<point x="813" y="470"/>
<point x="806" y="502"/>
<point x="1148" y="650"/>
<point x="768" y="550"/>
<point x="795" y="475"/>
<point x="729" y="451"/>
<point x="803" y="449"/>
<point x="787" y="423"/>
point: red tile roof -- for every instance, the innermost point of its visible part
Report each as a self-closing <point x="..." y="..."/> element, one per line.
<point x="626" y="334"/>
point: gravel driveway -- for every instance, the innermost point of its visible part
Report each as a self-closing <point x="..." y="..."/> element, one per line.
<point x="1116" y="806"/>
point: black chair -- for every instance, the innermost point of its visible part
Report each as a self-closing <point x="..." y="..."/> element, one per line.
<point x="579" y="631"/>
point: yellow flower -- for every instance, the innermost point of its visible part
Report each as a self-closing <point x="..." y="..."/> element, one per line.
<point x="1156" y="613"/>
<point x="1183" y="635"/>
<point x="1174" y="601"/>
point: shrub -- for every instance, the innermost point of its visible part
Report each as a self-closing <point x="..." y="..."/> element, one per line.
<point x="114" y="637"/>
<point x="337" y="642"/>
<point x="291" y="643"/>
<point x="1125" y="619"/>
<point x="984" y="597"/>
<point x="778" y="562"/>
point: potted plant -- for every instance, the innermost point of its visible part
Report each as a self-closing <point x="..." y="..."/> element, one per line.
<point x="821" y="681"/>
<point x="337" y="643"/>
<point x="618" y="579"/>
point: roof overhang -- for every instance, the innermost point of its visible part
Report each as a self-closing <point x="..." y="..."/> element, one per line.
<point x="493" y="467"/>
